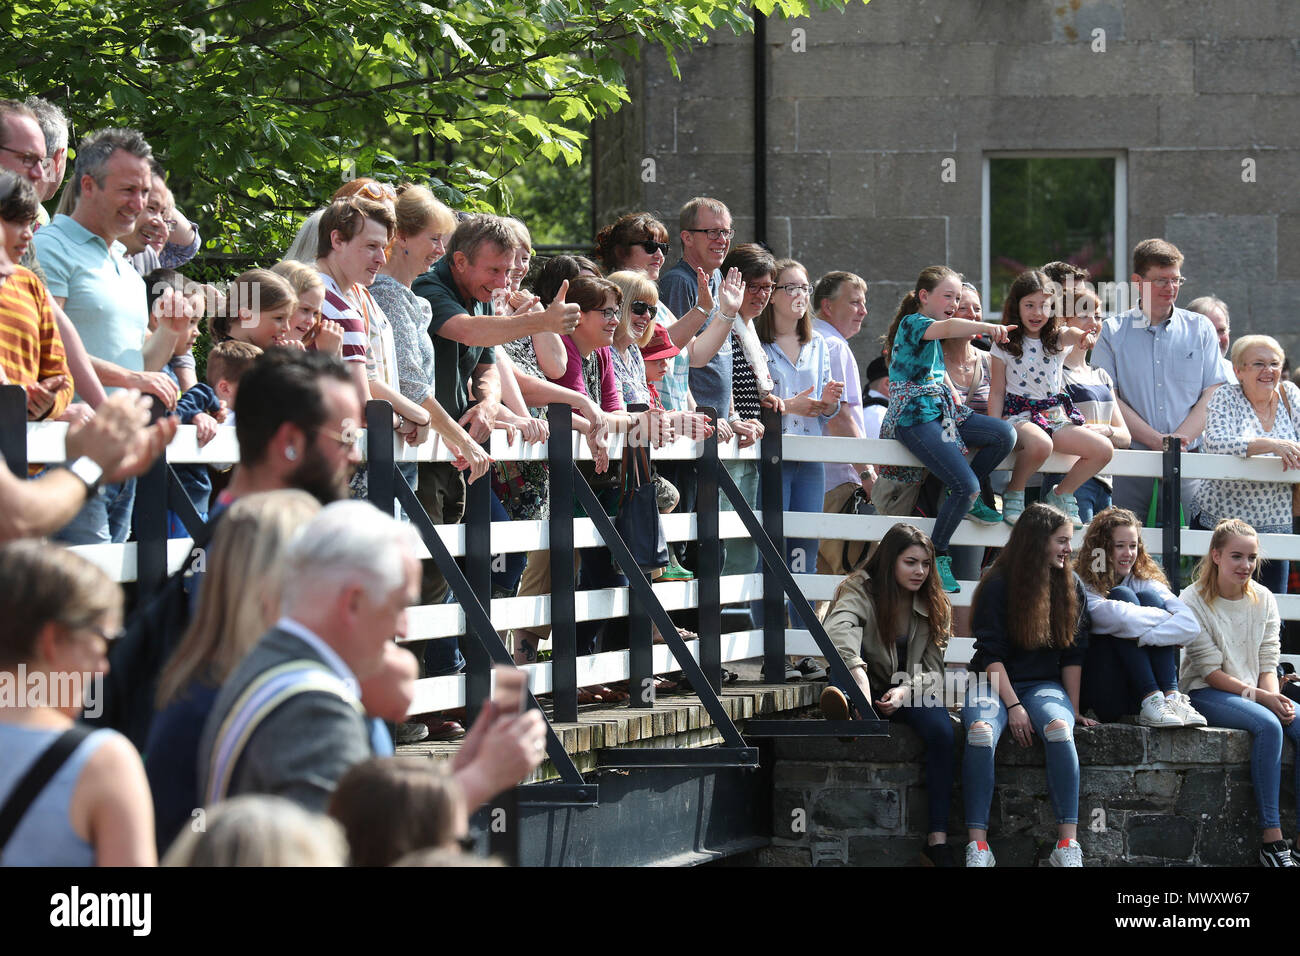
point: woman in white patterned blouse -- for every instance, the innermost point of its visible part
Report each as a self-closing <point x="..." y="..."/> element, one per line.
<point x="1258" y="416"/>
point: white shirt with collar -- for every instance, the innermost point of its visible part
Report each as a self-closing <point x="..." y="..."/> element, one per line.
<point x="327" y="653"/>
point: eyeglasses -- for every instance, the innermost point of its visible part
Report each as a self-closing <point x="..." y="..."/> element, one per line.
<point x="640" y="308"/>
<point x="715" y="234"/>
<point x="31" y="160"/>
<point x="794" y="290"/>
<point x="348" y="439"/>
<point x="608" y="314"/>
<point x="1262" y="366"/>
<point x="651" y="247"/>
<point x="106" y="638"/>
<point x="1168" y="283"/>
<point x="760" y="289"/>
<point x="378" y="191"/>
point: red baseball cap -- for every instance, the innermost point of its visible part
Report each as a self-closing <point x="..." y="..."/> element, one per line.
<point x="659" y="346"/>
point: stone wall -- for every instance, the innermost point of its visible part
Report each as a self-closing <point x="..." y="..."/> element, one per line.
<point x="1147" y="797"/>
<point x="864" y="107"/>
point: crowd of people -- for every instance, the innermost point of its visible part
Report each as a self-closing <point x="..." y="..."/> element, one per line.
<point x="265" y="692"/>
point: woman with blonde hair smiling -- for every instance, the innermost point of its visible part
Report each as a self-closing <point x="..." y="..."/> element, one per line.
<point x="1230" y="670"/>
<point x="238" y="601"/>
<point x="1259" y="414"/>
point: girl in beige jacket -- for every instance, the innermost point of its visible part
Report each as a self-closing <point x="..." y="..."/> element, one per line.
<point x="890" y="623"/>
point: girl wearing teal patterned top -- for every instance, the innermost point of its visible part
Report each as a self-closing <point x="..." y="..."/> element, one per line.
<point x="922" y="413"/>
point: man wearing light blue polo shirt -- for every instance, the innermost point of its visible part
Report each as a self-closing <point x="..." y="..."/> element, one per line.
<point x="1165" y="363"/>
<point x="89" y="276"/>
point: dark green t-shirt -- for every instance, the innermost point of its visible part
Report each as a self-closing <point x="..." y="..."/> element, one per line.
<point x="453" y="363"/>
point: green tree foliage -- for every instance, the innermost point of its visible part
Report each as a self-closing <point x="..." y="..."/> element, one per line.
<point x="260" y="108"/>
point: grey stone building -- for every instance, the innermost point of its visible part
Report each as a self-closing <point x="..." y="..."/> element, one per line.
<point x="875" y="140"/>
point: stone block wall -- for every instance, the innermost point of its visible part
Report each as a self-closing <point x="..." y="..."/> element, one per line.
<point x="1146" y="797"/>
<point x="863" y="108"/>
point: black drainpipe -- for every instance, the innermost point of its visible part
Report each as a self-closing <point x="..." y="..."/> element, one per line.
<point x="760" y="127"/>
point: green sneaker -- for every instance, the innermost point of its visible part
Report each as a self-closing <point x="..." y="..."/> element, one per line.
<point x="675" y="572"/>
<point x="944" y="563"/>
<point x="1067" y="503"/>
<point x="1013" y="506"/>
<point x="981" y="513"/>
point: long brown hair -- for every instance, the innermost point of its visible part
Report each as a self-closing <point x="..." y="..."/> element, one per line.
<point x="878" y="580"/>
<point x="1047" y="605"/>
<point x="1098" y="538"/>
<point x="765" y="324"/>
<point x="1207" y="572"/>
<point x="929" y="278"/>
<point x="1026" y="284"/>
<point x="241" y="588"/>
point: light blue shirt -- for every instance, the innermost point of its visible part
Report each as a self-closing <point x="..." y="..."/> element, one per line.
<point x="105" y="295"/>
<point x="788" y="380"/>
<point x="327" y="653"/>
<point x="1160" y="370"/>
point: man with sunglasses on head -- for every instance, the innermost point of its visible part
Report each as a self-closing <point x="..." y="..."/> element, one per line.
<point x="1165" y="364"/>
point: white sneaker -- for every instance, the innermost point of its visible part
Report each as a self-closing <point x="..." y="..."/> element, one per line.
<point x="1157" y="712"/>
<point x="1069" y="855"/>
<point x="977" y="857"/>
<point x="1181" y="705"/>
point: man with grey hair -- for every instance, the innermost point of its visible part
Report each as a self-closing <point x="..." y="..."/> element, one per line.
<point x="54" y="127"/>
<point x="289" y="720"/>
<point x="1216" y="310"/>
<point x="90" y="279"/>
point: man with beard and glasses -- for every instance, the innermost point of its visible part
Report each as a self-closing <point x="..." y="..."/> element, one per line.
<point x="298" y="420"/>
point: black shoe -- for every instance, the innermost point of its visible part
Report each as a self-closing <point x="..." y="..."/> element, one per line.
<point x="939" y="854"/>
<point x="1276" y="854"/>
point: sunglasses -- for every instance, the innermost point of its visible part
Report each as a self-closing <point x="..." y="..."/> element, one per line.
<point x="378" y="191"/>
<point x="641" y="308"/>
<point x="651" y="247"/>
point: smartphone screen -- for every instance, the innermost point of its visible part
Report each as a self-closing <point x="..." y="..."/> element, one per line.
<point x="510" y="693"/>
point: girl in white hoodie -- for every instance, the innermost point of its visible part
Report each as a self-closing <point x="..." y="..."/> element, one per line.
<point x="1137" y="626"/>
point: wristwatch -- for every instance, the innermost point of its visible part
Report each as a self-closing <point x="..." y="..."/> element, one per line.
<point x="89" y="472"/>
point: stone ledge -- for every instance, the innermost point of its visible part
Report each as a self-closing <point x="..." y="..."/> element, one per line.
<point x="1146" y="797"/>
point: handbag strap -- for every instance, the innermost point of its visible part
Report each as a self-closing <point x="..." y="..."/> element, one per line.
<point x="37" y="778"/>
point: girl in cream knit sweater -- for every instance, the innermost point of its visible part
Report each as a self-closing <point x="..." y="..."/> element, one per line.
<point x="1230" y="670"/>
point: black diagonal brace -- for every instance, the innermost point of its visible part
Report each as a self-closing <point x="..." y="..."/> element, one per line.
<point x="477" y="619"/>
<point x="776" y="565"/>
<point x="178" y="501"/>
<point x="638" y="585"/>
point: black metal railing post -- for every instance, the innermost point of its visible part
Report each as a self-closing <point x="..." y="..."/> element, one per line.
<point x="564" y="618"/>
<point x="769" y="483"/>
<point x="708" y="564"/>
<point x="13" y="428"/>
<point x="381" y="458"/>
<point x="150" y="521"/>
<point x="640" y="651"/>
<point x="1171" y="494"/>
<point x="478" y="571"/>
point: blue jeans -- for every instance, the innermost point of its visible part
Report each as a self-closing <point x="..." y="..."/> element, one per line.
<point x="992" y="436"/>
<point x="803" y="485"/>
<point x="1118" y="673"/>
<point x="104" y="519"/>
<point x="1045" y="701"/>
<point x="935" y="727"/>
<point x="1222" y="709"/>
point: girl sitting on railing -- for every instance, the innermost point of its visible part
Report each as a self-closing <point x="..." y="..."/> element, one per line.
<point x="1230" y="670"/>
<point x="1027" y="389"/>
<point x="923" y="416"/>
<point x="1030" y="641"/>
<point x="1137" y="627"/>
<point x="890" y="622"/>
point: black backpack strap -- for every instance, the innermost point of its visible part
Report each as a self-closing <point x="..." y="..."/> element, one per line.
<point x="36" y="779"/>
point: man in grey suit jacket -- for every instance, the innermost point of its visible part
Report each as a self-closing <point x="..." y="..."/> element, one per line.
<point x="289" y="721"/>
